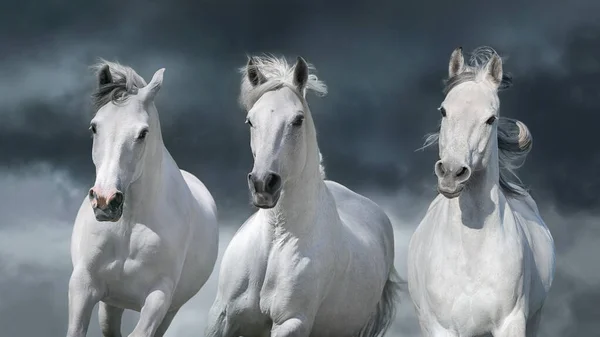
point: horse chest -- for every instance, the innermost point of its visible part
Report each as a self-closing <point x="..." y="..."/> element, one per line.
<point x="290" y="271"/>
<point x="131" y="265"/>
<point x="473" y="285"/>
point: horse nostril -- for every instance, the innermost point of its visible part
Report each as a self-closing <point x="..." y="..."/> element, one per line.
<point x="461" y="172"/>
<point x="254" y="185"/>
<point x="117" y="200"/>
<point x="91" y="194"/>
<point x="439" y="168"/>
<point x="272" y="183"/>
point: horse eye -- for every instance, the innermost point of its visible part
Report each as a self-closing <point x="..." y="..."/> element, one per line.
<point x="248" y="122"/>
<point x="93" y="128"/>
<point x="442" y="111"/>
<point x="298" y="120"/>
<point x="143" y="134"/>
<point x="490" y="120"/>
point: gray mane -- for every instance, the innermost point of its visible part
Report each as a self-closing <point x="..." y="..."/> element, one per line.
<point x="125" y="82"/>
<point x="514" y="138"/>
<point x="477" y="63"/>
<point x="279" y="73"/>
<point x="514" y="144"/>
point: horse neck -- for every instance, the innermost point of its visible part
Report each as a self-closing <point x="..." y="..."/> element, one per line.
<point x="300" y="196"/>
<point x="478" y="204"/>
<point x="144" y="191"/>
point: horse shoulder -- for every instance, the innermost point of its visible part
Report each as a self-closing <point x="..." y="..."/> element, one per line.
<point x="189" y="224"/>
<point x="368" y="246"/>
<point x="200" y="193"/>
<point x="526" y="212"/>
<point x="89" y="237"/>
<point x="425" y="228"/>
<point x="538" y="237"/>
<point x="244" y="260"/>
<point x="359" y="212"/>
<point x="79" y="227"/>
<point x="419" y="247"/>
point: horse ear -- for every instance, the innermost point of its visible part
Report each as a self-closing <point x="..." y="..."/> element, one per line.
<point x="104" y="76"/>
<point x="494" y="70"/>
<point x="149" y="91"/>
<point x="457" y="62"/>
<point x="254" y="75"/>
<point x="301" y="74"/>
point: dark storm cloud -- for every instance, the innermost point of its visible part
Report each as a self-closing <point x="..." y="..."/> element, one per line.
<point x="383" y="62"/>
<point x="35" y="264"/>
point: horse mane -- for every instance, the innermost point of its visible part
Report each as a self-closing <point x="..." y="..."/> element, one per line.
<point x="514" y="138"/>
<point x="125" y="82"/>
<point x="321" y="166"/>
<point x="278" y="73"/>
<point x="475" y="67"/>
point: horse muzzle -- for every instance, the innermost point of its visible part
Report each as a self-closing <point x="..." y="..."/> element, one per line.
<point x="107" y="208"/>
<point x="265" y="189"/>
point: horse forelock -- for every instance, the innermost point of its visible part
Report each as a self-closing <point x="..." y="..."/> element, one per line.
<point x="125" y="82"/>
<point x="278" y="74"/>
<point x="474" y="68"/>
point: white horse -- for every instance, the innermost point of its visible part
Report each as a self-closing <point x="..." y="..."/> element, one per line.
<point x="316" y="259"/>
<point x="146" y="237"/>
<point x="482" y="259"/>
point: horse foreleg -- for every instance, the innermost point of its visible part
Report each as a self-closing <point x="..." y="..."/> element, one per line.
<point x="153" y="312"/>
<point x="83" y="296"/>
<point x="434" y="329"/>
<point x="533" y="324"/>
<point x="218" y="322"/>
<point x="513" y="326"/>
<point x="293" y="327"/>
<point x="162" y="328"/>
<point x="109" y="318"/>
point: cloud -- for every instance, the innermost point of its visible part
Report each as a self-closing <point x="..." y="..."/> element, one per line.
<point x="40" y="204"/>
<point x="383" y="62"/>
<point x="384" y="74"/>
<point x="36" y="208"/>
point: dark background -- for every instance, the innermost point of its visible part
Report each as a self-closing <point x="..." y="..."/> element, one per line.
<point x="383" y="61"/>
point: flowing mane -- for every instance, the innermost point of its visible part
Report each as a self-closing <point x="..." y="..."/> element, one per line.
<point x="125" y="82"/>
<point x="475" y="68"/>
<point x="514" y="138"/>
<point x="278" y="73"/>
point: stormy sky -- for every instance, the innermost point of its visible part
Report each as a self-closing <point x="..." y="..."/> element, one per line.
<point x="383" y="62"/>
